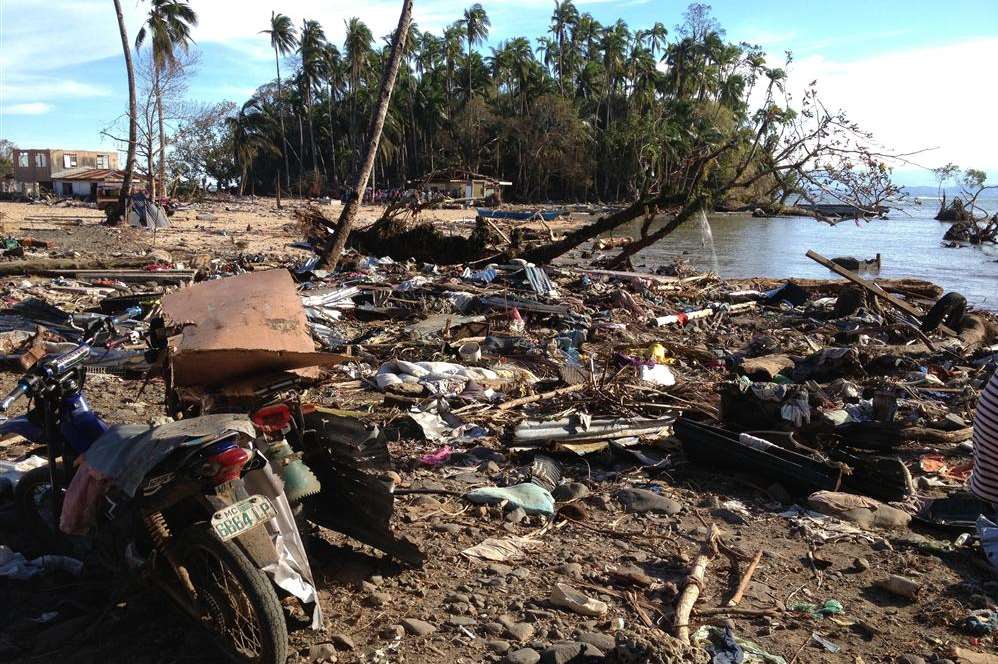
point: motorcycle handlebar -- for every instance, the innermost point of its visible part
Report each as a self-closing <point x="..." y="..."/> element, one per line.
<point x="108" y="323"/>
<point x="63" y="363"/>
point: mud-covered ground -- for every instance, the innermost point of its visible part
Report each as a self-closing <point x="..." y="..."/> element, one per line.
<point x="478" y="611"/>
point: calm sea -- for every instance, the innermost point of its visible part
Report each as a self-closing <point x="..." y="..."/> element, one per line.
<point x="909" y="242"/>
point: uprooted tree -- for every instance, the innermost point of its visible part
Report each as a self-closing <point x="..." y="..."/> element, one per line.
<point x="777" y="158"/>
<point x="330" y="252"/>
<point x="963" y="206"/>
<point x="772" y="160"/>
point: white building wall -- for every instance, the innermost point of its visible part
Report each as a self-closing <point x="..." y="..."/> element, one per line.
<point x="79" y="188"/>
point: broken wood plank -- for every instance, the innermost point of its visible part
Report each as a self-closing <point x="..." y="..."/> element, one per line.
<point x="872" y="288"/>
<point x="48" y="265"/>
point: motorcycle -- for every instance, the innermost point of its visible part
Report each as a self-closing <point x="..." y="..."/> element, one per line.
<point x="178" y="514"/>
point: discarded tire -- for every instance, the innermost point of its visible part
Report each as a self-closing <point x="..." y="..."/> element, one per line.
<point x="948" y="310"/>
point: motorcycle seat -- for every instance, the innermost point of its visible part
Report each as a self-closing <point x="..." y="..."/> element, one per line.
<point x="126" y="453"/>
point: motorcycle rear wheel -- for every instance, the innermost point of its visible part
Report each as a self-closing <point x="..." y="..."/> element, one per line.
<point x="241" y="611"/>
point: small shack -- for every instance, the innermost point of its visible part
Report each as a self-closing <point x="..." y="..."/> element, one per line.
<point x="457" y="183"/>
<point x="84" y="183"/>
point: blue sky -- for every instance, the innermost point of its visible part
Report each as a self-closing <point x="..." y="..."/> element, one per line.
<point x="885" y="61"/>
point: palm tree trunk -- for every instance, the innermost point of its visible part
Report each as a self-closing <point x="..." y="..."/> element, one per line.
<point x="330" y="255"/>
<point x="280" y="112"/>
<point x="162" y="141"/>
<point x="126" y="182"/>
<point x="332" y="140"/>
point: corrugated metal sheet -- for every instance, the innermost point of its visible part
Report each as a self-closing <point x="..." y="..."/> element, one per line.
<point x="539" y="281"/>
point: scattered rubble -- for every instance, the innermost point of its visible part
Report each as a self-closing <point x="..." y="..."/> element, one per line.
<point x="563" y="463"/>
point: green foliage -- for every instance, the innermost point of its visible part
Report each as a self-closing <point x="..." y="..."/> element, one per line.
<point x="204" y="151"/>
<point x="6" y="158"/>
<point x="586" y="111"/>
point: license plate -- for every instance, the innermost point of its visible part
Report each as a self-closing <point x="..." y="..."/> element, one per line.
<point x="240" y="517"/>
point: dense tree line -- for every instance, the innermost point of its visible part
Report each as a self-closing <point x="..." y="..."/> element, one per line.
<point x="586" y="112"/>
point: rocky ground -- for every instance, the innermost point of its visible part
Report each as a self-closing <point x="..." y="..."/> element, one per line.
<point x="625" y="540"/>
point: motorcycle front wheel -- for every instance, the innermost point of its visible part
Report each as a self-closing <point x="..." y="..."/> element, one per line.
<point x="36" y="510"/>
<point x="239" y="607"/>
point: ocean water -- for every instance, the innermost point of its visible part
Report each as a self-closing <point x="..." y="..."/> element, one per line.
<point x="909" y="242"/>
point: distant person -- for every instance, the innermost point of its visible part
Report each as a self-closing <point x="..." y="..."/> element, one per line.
<point x="984" y="480"/>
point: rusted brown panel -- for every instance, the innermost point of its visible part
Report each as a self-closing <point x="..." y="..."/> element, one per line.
<point x="239" y="326"/>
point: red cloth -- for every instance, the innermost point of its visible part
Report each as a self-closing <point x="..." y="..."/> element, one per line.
<point x="79" y="508"/>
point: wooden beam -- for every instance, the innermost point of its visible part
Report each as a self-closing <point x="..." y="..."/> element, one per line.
<point x="873" y="288"/>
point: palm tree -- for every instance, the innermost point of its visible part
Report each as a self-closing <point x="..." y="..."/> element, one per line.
<point x="311" y="46"/>
<point x="614" y="43"/>
<point x="564" y="17"/>
<point x="654" y="38"/>
<point x="332" y="64"/>
<point x="168" y="27"/>
<point x="476" y="30"/>
<point x="250" y="137"/>
<point x="453" y="35"/>
<point x="522" y="62"/>
<point x="126" y="183"/>
<point x="331" y="254"/>
<point x="587" y="31"/>
<point x="282" y="40"/>
<point x="357" y="48"/>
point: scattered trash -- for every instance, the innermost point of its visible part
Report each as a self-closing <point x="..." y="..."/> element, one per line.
<point x="533" y="499"/>
<point x="567" y="597"/>
<point x="15" y="566"/>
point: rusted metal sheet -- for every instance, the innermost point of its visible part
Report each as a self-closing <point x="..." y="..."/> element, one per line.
<point x="237" y="327"/>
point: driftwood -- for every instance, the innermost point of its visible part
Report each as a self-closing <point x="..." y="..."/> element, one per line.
<point x="694" y="585"/>
<point x="542" y="396"/>
<point x="873" y="288"/>
<point x="925" y="435"/>
<point x="746" y="579"/>
<point x="44" y="265"/>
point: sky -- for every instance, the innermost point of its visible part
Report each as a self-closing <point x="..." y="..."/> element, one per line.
<point x="917" y="73"/>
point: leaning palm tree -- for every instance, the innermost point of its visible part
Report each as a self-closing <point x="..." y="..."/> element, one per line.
<point x="476" y="30"/>
<point x="330" y="254"/>
<point x="168" y="27"/>
<point x="126" y="182"/>
<point x="282" y="40"/>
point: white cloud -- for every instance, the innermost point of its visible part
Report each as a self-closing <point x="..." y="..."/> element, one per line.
<point x="930" y="97"/>
<point x="29" y="108"/>
<point x="80" y="31"/>
<point x="20" y="86"/>
<point x="912" y="99"/>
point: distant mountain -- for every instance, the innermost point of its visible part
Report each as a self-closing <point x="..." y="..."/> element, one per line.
<point x="930" y="190"/>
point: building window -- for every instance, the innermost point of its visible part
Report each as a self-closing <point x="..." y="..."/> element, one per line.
<point x="69" y="161"/>
<point x="40" y="160"/>
<point x="22" y="159"/>
<point x="102" y="161"/>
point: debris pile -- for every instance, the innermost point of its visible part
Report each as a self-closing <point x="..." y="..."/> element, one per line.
<point x="596" y="464"/>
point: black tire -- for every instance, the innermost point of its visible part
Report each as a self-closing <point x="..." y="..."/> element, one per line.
<point x="261" y="638"/>
<point x="949" y="310"/>
<point x="35" y="510"/>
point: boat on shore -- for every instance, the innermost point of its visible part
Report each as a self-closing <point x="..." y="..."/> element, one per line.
<point x="516" y="215"/>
